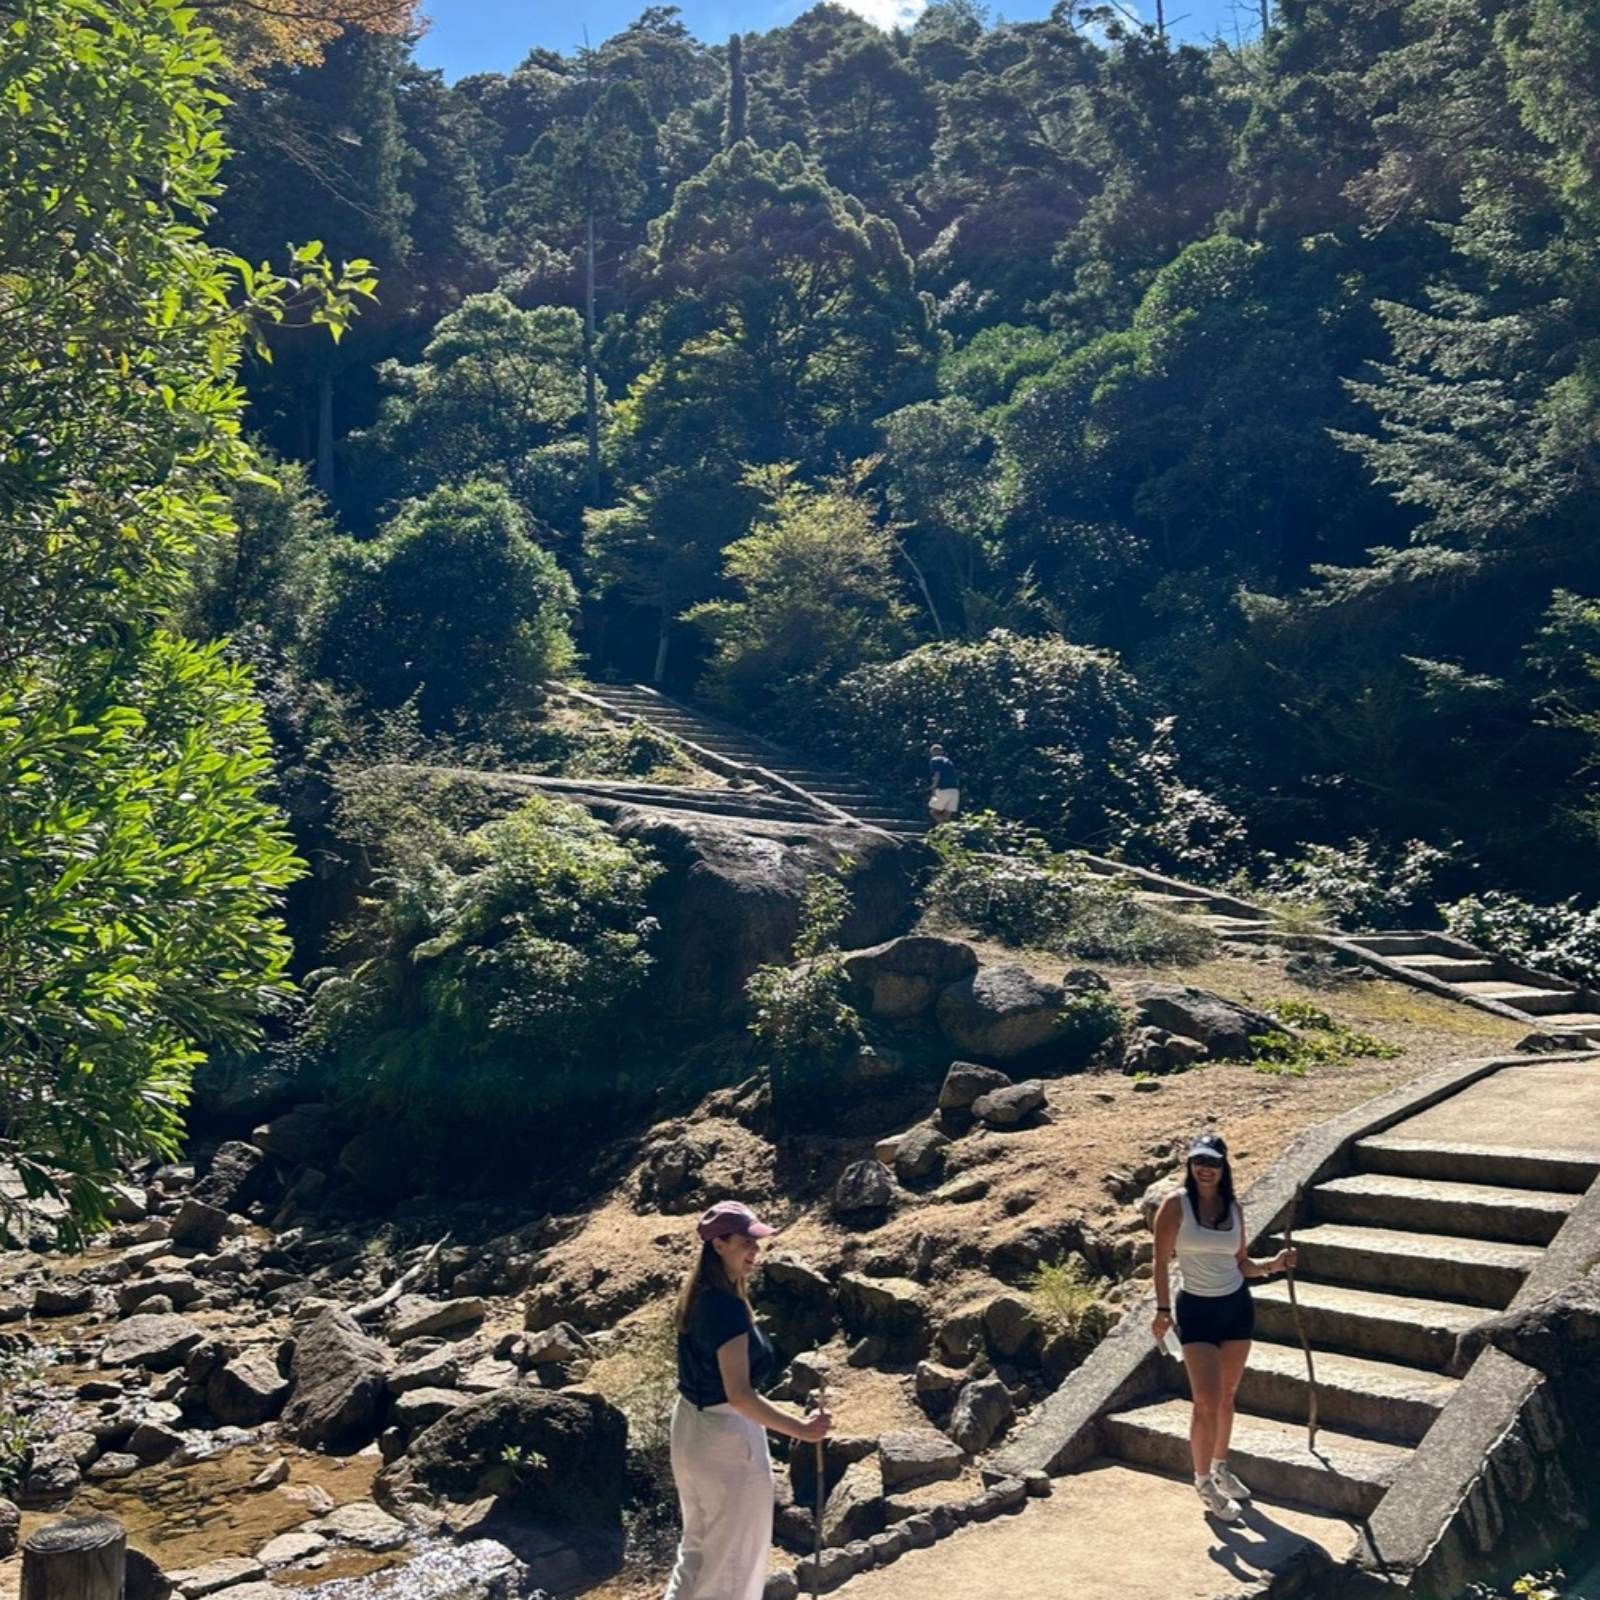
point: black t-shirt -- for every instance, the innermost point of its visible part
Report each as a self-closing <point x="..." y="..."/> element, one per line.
<point x="716" y="1317"/>
<point x="943" y="772"/>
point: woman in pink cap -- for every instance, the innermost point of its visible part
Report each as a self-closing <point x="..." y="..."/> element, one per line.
<point x="720" y="1420"/>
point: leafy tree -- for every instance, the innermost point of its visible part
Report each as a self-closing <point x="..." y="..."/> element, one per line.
<point x="255" y="34"/>
<point x="816" y="594"/>
<point x="498" y="394"/>
<point x="138" y="917"/>
<point x="454" y="605"/>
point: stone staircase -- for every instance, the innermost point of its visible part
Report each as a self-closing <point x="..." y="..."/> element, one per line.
<point x="1414" y="1247"/>
<point x="831" y="796"/>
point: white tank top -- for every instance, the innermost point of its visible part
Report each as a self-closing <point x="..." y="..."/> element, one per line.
<point x="1208" y="1258"/>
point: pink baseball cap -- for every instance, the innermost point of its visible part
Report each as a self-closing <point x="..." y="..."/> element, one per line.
<point x="728" y="1217"/>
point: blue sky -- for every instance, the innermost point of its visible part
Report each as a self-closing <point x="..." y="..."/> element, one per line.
<point x="493" y="36"/>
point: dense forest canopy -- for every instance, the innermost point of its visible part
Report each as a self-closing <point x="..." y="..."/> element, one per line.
<point x="1200" y="442"/>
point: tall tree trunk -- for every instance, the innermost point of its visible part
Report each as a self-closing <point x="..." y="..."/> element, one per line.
<point x="733" y="126"/>
<point x="663" y="639"/>
<point x="325" y="433"/>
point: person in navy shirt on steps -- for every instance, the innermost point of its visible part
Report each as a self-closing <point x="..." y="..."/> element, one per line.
<point x="720" y="1419"/>
<point x="944" y="787"/>
<point x="1203" y="1225"/>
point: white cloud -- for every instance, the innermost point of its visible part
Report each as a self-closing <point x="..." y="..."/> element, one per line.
<point x="887" y="14"/>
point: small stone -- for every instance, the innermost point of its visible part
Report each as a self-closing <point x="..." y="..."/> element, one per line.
<point x="289" y="1547"/>
<point x="1005" y="1108"/>
<point x="961" y="1191"/>
<point x="863" y="1186"/>
<point x="1146" y="1085"/>
<point x="196" y="1582"/>
<point x="414" y="1315"/>
<point x="67" y="1298"/>
<point x="364" y="1524"/>
<point x="200" y="1226"/>
<point x="916" y="1456"/>
<point x="270" y="1476"/>
<point x="115" y="1464"/>
<point x="11" y="1526"/>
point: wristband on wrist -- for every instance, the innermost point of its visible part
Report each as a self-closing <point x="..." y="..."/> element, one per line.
<point x="1163" y="1311"/>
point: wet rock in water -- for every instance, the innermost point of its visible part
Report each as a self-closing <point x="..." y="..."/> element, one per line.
<point x="155" y="1342"/>
<point x="414" y="1316"/>
<point x="66" y="1297"/>
<point x="10" y="1527"/>
<point x="480" y="1569"/>
<point x="965" y="1081"/>
<point x="982" y="1409"/>
<point x="247" y="1390"/>
<point x="908" y="1457"/>
<point x="337" y="1385"/>
<point x="863" y="1187"/>
<point x="364" y="1524"/>
<point x="557" y="1500"/>
<point x="291" y="1547"/>
<point x="213" y="1576"/>
<point x="198" y="1226"/>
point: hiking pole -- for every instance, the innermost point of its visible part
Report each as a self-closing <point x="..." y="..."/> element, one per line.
<point x="1300" y="1329"/>
<point x="816" y="1553"/>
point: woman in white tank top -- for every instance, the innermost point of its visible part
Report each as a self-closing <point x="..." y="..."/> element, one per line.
<point x="1203" y="1225"/>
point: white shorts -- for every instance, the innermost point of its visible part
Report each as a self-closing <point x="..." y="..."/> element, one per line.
<point x="943" y="804"/>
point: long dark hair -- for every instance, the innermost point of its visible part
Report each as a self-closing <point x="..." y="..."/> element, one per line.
<point x="707" y="1272"/>
<point x="1224" y="1193"/>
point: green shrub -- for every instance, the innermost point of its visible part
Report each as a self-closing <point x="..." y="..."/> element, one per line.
<point x="1071" y="1301"/>
<point x="1004" y="882"/>
<point x="799" y="1016"/>
<point x="500" y="979"/>
<point x="1560" y="938"/>
<point x="1312" y="1038"/>
<point x="1360" y="884"/>
<point x="1056" y="735"/>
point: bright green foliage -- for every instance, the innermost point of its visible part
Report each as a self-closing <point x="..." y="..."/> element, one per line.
<point x="1312" y="1039"/>
<point x="138" y="912"/>
<point x="1564" y="937"/>
<point x="505" y="963"/>
<point x="454" y="605"/>
<point x="1361" y="883"/>
<point x="143" y="868"/>
<point x="817" y="593"/>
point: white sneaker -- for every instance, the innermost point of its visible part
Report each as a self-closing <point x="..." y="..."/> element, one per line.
<point x="1217" y="1503"/>
<point x="1222" y="1476"/>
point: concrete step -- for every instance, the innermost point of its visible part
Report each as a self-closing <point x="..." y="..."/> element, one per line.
<point x="1536" y="1002"/>
<point x="1564" y="1172"/>
<point x="1347" y="1474"/>
<point x="1381" y="1398"/>
<point x="1386" y="1327"/>
<point x="1450" y="969"/>
<point x="1401" y="944"/>
<point x="1433" y="1205"/>
<point x="1473" y="1271"/>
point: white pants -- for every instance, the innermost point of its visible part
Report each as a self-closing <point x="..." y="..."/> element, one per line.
<point x="724" y="1478"/>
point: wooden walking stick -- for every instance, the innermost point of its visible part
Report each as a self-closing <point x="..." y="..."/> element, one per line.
<point x="1300" y="1329"/>
<point x="822" y="1495"/>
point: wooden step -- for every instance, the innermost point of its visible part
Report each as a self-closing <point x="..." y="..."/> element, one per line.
<point x="1388" y="1327"/>
<point x="1472" y="1271"/>
<point x="1502" y="1163"/>
<point x="1382" y="1398"/>
<point x="1433" y="1205"/>
<point x="1347" y="1474"/>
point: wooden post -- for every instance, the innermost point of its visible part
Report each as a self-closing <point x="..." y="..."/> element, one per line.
<point x="80" y="1558"/>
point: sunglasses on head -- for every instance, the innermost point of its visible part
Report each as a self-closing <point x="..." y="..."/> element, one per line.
<point x="1205" y="1161"/>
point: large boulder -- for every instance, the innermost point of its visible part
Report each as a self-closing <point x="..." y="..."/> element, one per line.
<point x="1001" y="1014"/>
<point x="338" y="1386"/>
<point x="855" y="1508"/>
<point x="892" y="1309"/>
<point x="1222" y="1026"/>
<point x="304" y="1135"/>
<point x="903" y="978"/>
<point x="796" y="1303"/>
<point x="863" y="1188"/>
<point x="1011" y="1106"/>
<point x="154" y="1341"/>
<point x="729" y="900"/>
<point x="540" y="1470"/>
<point x="982" y="1409"/>
<point x="243" y="1089"/>
<point x="912" y="1456"/>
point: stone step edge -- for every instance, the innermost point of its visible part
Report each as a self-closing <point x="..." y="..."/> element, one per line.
<point x="839" y="1563"/>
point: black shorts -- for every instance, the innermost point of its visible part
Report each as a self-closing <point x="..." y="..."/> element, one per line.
<point x="1216" y="1319"/>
